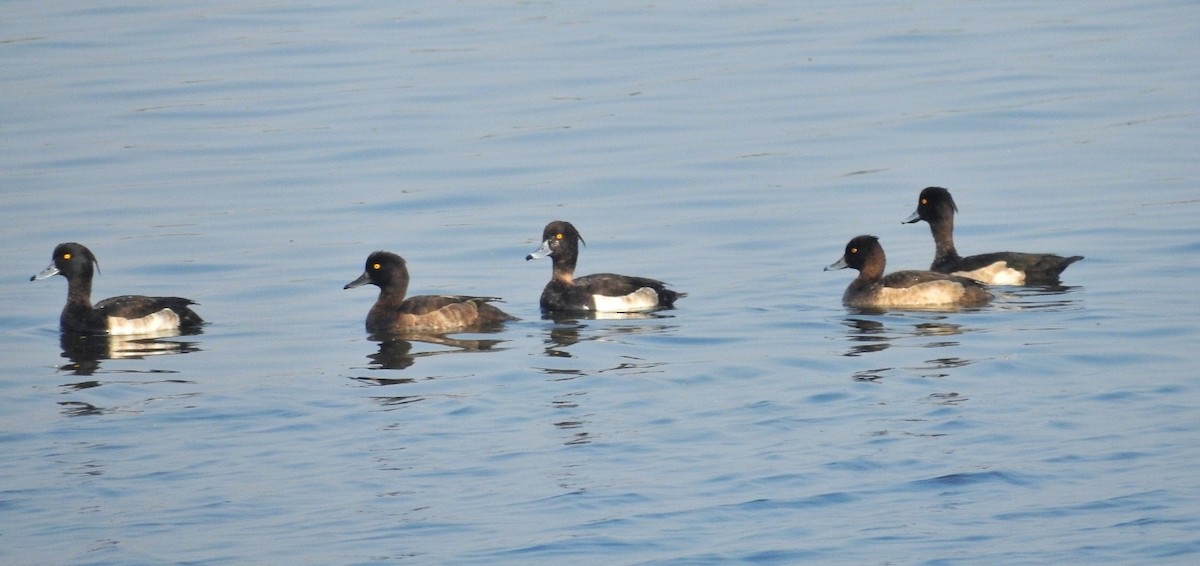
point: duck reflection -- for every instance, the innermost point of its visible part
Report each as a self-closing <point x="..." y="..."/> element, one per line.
<point x="86" y="351"/>
<point x="869" y="335"/>
<point x="1039" y="297"/>
<point x="572" y="426"/>
<point x="396" y="351"/>
<point x="401" y="351"/>
<point x="80" y="409"/>
<point x="872" y="375"/>
<point x="571" y="329"/>
<point x="924" y="330"/>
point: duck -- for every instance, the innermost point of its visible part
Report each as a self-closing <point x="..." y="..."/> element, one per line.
<point x="902" y="289"/>
<point x="123" y="315"/>
<point x="596" y="293"/>
<point x="936" y="206"/>
<point x="393" y="313"/>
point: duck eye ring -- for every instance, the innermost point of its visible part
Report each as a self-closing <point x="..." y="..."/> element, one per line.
<point x="558" y="236"/>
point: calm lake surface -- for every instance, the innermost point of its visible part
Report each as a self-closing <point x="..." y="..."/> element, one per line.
<point x="249" y="155"/>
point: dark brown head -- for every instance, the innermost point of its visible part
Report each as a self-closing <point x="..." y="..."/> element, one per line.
<point x="385" y="270"/>
<point x="865" y="254"/>
<point x="71" y="260"/>
<point x="934" y="205"/>
<point x="560" y="241"/>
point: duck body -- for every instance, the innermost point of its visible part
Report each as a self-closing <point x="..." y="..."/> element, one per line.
<point x="1005" y="268"/>
<point x="598" y="292"/>
<point x="902" y="289"/>
<point x="936" y="206"/>
<point x="395" y="313"/>
<point x="123" y="315"/>
<point x="606" y="292"/>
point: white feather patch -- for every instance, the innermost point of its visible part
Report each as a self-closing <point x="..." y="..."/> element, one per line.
<point x="165" y="319"/>
<point x="995" y="274"/>
<point x="645" y="298"/>
<point x="932" y="293"/>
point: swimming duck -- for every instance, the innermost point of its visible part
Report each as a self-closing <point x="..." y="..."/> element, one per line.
<point x="936" y="206"/>
<point x="127" y="314"/>
<point x="599" y="292"/>
<point x="424" y="313"/>
<point x="901" y="289"/>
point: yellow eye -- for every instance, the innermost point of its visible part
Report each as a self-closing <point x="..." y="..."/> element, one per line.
<point x="558" y="236"/>
<point x="376" y="267"/>
<point x="924" y="201"/>
<point x="67" y="256"/>
<point x="853" y="250"/>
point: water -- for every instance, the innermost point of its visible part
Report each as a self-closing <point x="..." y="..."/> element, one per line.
<point x="250" y="155"/>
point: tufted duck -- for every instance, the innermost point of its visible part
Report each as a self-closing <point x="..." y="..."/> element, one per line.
<point x="936" y="206"/>
<point x="902" y="289"/>
<point x="599" y="292"/>
<point x="127" y="314"/>
<point x="424" y="313"/>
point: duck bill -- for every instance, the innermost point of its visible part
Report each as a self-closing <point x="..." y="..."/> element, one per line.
<point x="839" y="264"/>
<point x="47" y="273"/>
<point x="541" y="252"/>
<point x="362" y="280"/>
<point x="915" y="216"/>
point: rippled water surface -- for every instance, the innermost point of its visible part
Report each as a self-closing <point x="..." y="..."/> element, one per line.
<point x="250" y="155"/>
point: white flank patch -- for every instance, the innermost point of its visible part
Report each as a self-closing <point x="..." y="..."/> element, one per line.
<point x="932" y="293"/>
<point x="165" y="319"/>
<point x="645" y="298"/>
<point x="995" y="274"/>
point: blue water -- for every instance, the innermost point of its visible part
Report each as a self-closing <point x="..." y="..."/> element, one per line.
<point x="250" y="155"/>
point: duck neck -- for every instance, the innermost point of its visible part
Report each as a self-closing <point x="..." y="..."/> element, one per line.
<point x="79" y="290"/>
<point x="873" y="269"/>
<point x="943" y="238"/>
<point x="564" y="267"/>
<point x="564" y="275"/>
<point x="393" y="294"/>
